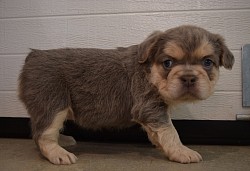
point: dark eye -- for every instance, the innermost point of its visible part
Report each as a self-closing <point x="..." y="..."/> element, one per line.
<point x="208" y="63"/>
<point x="168" y="64"/>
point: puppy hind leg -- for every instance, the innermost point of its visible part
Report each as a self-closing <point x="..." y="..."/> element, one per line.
<point x="167" y="138"/>
<point x="65" y="140"/>
<point x="48" y="142"/>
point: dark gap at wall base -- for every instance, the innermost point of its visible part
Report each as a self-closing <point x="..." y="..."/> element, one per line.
<point x="190" y="132"/>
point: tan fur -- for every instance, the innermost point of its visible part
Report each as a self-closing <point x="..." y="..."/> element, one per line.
<point x="173" y="50"/>
<point x="205" y="49"/>
<point x="156" y="76"/>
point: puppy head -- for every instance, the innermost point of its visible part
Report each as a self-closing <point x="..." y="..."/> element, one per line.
<point x="184" y="62"/>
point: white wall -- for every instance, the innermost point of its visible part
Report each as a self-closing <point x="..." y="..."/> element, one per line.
<point x="49" y="24"/>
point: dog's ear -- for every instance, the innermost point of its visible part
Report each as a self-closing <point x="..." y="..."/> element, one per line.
<point x="226" y="57"/>
<point x="148" y="47"/>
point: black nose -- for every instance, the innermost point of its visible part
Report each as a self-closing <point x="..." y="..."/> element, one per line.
<point x="188" y="80"/>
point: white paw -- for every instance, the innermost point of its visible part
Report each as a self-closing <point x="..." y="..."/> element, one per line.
<point x="58" y="156"/>
<point x="183" y="154"/>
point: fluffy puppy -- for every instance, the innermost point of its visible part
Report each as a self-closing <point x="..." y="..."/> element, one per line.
<point x="117" y="88"/>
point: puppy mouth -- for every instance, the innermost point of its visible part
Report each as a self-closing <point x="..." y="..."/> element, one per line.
<point x="190" y="94"/>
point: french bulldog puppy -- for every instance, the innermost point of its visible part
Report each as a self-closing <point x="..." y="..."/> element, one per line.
<point x="117" y="88"/>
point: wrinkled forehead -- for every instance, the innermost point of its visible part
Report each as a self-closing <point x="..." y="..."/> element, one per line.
<point x="188" y="50"/>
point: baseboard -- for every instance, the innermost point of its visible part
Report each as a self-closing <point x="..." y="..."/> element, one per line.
<point x="190" y="131"/>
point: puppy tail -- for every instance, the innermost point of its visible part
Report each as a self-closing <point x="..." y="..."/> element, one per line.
<point x="33" y="53"/>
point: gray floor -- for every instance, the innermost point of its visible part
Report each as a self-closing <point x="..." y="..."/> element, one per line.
<point x="22" y="155"/>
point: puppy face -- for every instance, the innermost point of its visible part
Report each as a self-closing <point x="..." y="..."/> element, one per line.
<point x="184" y="62"/>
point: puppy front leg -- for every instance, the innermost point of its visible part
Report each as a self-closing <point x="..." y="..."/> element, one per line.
<point x="167" y="138"/>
